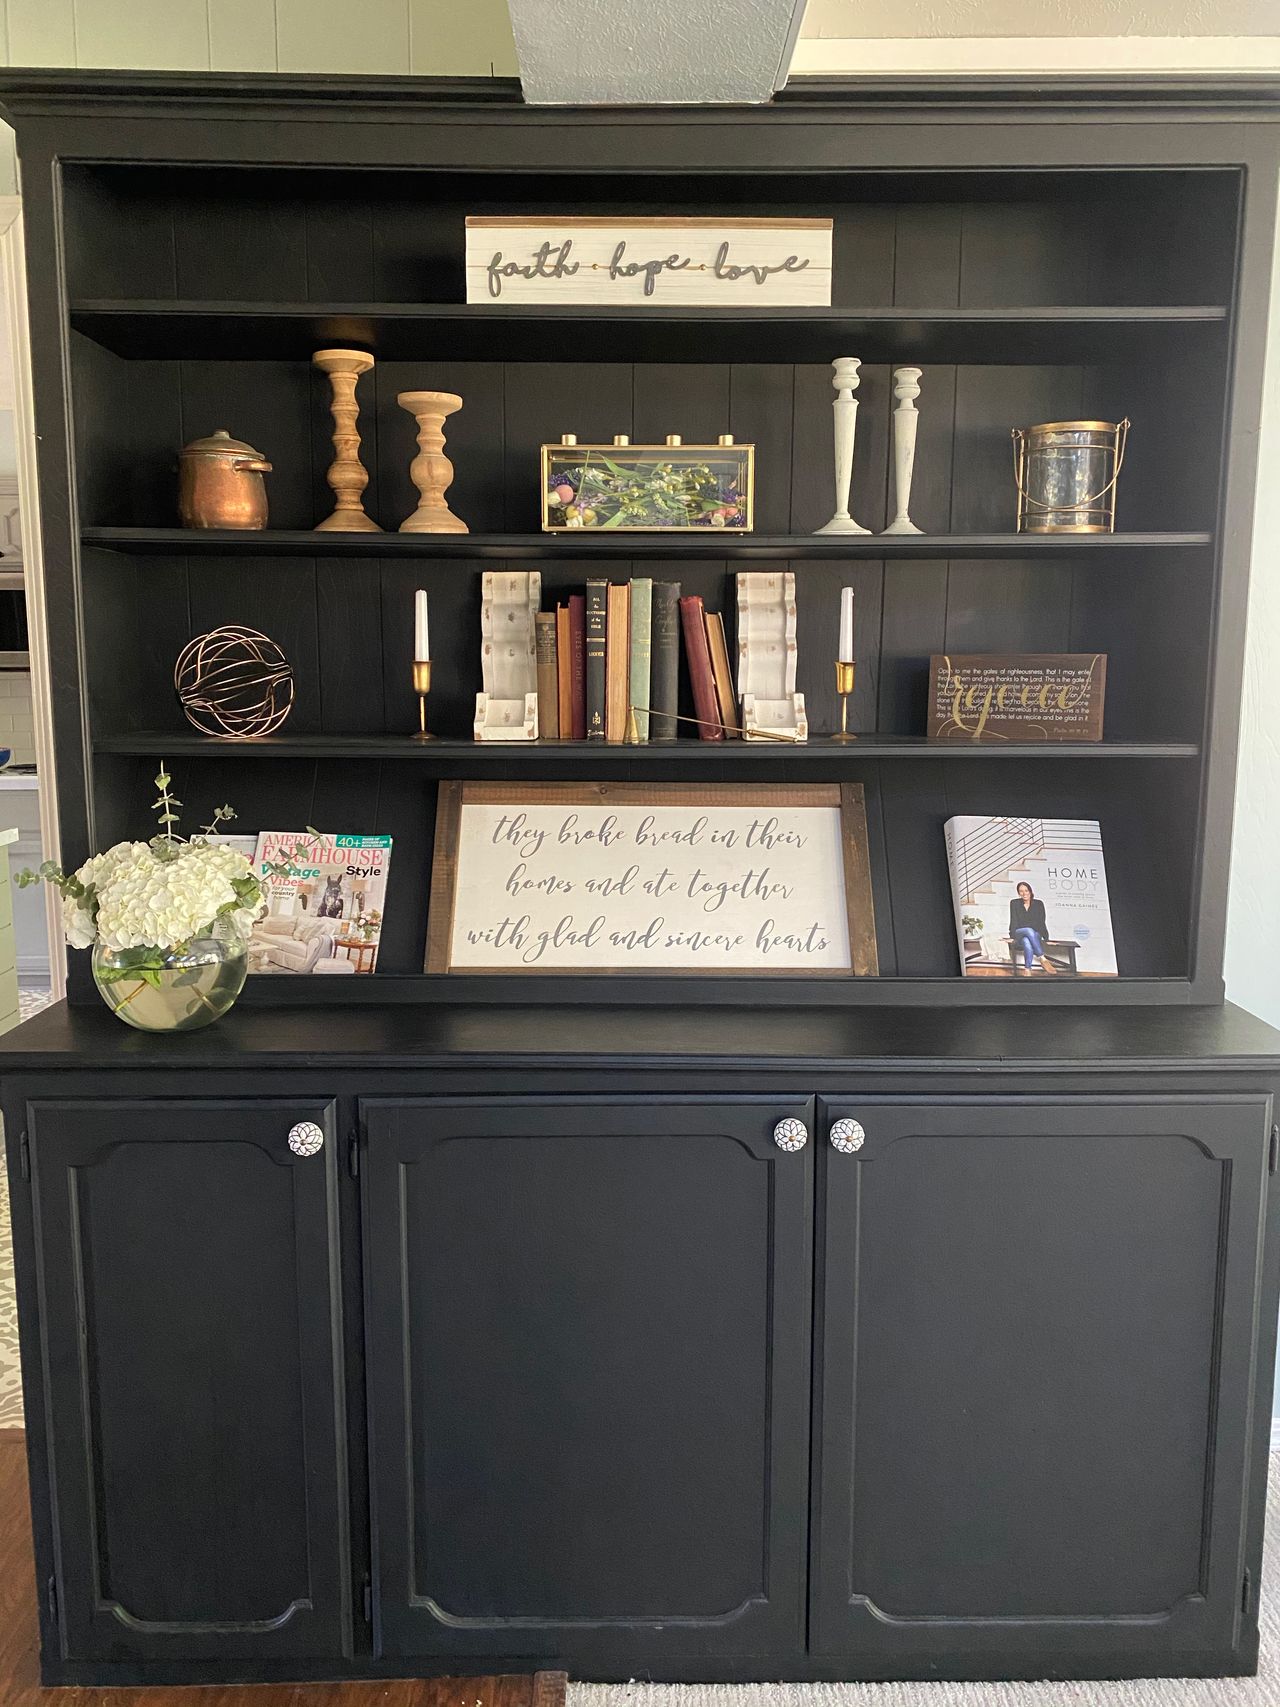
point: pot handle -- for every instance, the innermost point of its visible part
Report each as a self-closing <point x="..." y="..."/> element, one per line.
<point x="251" y="465"/>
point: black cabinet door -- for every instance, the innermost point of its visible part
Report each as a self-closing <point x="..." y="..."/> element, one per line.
<point x="1037" y="1364"/>
<point x="589" y="1376"/>
<point x="188" y="1288"/>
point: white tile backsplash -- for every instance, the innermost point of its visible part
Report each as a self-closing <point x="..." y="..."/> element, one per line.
<point x="16" y="718"/>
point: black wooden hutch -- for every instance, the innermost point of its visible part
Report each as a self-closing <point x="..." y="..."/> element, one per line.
<point x="551" y="1355"/>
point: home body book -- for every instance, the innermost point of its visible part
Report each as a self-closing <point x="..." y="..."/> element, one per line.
<point x="1030" y="897"/>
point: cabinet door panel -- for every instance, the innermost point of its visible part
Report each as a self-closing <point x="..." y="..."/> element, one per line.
<point x="188" y="1275"/>
<point x="1037" y="1332"/>
<point x="588" y="1375"/>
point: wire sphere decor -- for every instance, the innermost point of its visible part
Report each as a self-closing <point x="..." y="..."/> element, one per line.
<point x="234" y="682"/>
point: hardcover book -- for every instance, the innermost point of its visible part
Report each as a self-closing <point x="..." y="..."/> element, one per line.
<point x="544" y="637"/>
<point x="706" y="707"/>
<point x="564" y="674"/>
<point x="597" y="622"/>
<point x="617" y="683"/>
<point x="1030" y="897"/>
<point x="324" y="914"/>
<point x="664" y="679"/>
<point x="641" y="650"/>
<point x="578" y="665"/>
<point x="726" y="699"/>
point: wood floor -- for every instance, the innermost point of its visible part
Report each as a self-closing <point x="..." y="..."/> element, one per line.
<point x="20" y="1671"/>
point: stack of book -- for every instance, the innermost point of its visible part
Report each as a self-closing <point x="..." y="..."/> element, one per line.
<point x="609" y="665"/>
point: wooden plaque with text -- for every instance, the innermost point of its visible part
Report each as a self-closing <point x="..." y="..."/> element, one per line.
<point x="1017" y="696"/>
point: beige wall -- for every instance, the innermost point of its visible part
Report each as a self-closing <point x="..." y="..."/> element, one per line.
<point x="900" y="19"/>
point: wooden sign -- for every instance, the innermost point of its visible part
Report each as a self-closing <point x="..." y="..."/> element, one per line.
<point x="711" y="879"/>
<point x="1012" y="696"/>
<point x="662" y="262"/>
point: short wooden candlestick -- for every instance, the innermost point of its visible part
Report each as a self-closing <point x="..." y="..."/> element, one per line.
<point x="422" y="687"/>
<point x="431" y="470"/>
<point x="347" y="475"/>
<point x="845" y="672"/>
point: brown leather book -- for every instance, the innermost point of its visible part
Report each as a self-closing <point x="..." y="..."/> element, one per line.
<point x="578" y="664"/>
<point x="706" y="706"/>
<point x="720" y="670"/>
<point x="564" y="673"/>
<point x="544" y="652"/>
<point x="617" y="662"/>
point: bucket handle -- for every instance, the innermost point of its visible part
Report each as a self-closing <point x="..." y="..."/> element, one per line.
<point x="1019" y="434"/>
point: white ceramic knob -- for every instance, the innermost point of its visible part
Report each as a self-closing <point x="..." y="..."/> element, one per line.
<point x="847" y="1136"/>
<point x="305" y="1138"/>
<point x="791" y="1134"/>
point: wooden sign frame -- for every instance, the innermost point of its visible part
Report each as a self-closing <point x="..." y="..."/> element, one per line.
<point x="847" y="797"/>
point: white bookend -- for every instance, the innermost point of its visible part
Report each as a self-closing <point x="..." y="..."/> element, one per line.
<point x="507" y="710"/>
<point x="767" y="656"/>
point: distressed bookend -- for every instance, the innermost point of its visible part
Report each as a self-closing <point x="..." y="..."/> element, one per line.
<point x="507" y="709"/>
<point x="767" y="656"/>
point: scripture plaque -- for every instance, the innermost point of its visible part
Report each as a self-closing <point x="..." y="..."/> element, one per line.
<point x="1017" y="696"/>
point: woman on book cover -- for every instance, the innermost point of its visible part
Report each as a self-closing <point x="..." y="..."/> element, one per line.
<point x="1028" y="929"/>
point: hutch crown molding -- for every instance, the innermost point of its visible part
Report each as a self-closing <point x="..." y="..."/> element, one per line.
<point x="895" y="1326"/>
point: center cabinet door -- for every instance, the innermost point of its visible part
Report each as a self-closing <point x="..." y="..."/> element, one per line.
<point x="588" y="1345"/>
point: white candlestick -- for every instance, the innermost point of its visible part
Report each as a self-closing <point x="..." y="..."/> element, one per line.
<point x="906" y="389"/>
<point x="421" y="640"/>
<point x="845" y="380"/>
<point x="846" y="625"/>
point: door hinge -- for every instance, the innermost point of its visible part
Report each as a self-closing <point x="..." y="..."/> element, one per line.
<point x="367" y="1601"/>
<point x="1246" y="1593"/>
<point x="54" y="1617"/>
<point x="353" y="1153"/>
<point x="1273" y="1159"/>
<point x="24" y="1155"/>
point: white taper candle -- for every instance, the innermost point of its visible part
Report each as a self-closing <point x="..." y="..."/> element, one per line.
<point x="421" y="640"/>
<point x="846" y="625"/>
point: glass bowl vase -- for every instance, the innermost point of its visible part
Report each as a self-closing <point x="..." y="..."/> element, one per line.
<point x="178" y="989"/>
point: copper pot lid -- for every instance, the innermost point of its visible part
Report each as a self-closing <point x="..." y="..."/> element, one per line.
<point x="221" y="443"/>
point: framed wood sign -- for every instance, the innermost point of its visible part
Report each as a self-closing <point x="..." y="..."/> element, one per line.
<point x="1012" y="696"/>
<point x="707" y="879"/>
<point x="664" y="262"/>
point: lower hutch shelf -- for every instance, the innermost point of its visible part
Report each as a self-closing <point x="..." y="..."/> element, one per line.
<point x="528" y="1345"/>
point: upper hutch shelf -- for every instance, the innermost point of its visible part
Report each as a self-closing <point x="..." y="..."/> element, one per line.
<point x="662" y="547"/>
<point x="277" y="331"/>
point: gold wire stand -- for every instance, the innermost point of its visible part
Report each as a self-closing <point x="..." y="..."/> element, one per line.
<point x="844" y="687"/>
<point x="422" y="687"/>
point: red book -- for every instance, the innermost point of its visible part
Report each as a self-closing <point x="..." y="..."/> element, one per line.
<point x="578" y="663"/>
<point x="706" y="706"/>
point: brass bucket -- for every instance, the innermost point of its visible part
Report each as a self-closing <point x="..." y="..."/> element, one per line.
<point x="1066" y="473"/>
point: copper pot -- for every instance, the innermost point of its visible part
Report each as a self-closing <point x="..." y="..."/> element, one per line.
<point x="220" y="483"/>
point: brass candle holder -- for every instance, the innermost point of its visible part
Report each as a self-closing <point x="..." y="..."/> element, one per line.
<point x="422" y="687"/>
<point x="845" y="671"/>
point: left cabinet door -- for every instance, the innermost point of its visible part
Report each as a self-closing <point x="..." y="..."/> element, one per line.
<point x="187" y="1275"/>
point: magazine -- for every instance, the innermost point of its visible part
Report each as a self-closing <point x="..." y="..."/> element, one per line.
<point x="1030" y="898"/>
<point x="325" y="914"/>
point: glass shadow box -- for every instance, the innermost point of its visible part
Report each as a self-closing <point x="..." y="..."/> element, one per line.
<point x="639" y="488"/>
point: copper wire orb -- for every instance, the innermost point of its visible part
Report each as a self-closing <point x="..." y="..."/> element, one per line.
<point x="234" y="682"/>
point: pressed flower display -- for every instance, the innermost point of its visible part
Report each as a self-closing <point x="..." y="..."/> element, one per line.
<point x="638" y="488"/>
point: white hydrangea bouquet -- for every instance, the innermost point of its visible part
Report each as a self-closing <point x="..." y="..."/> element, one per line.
<point x="168" y="920"/>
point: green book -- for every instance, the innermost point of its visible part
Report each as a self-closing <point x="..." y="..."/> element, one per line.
<point x="641" y="648"/>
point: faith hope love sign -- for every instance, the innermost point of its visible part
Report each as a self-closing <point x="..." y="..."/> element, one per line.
<point x="620" y="878"/>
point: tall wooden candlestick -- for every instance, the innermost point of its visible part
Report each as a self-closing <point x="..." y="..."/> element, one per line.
<point x="906" y="388"/>
<point x="845" y="381"/>
<point x="347" y="474"/>
<point x="431" y="470"/>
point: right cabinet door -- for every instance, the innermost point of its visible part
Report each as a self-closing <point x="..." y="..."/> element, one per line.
<point x="1037" y="1344"/>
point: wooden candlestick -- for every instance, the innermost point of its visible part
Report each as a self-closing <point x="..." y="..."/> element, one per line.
<point x="347" y="475"/>
<point x="431" y="470"/>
